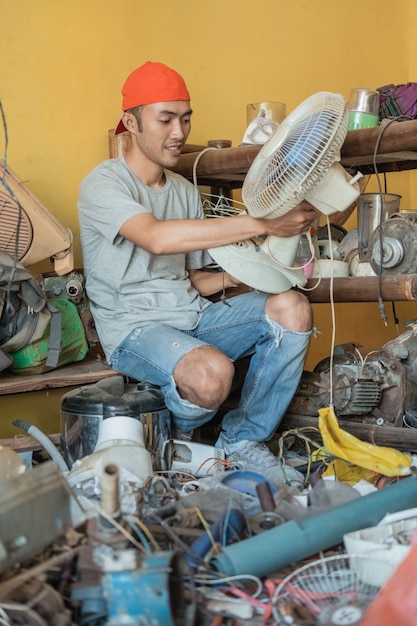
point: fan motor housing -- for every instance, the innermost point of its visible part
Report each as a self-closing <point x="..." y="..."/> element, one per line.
<point x="394" y="246"/>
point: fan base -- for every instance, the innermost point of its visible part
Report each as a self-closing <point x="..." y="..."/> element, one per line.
<point x="248" y="262"/>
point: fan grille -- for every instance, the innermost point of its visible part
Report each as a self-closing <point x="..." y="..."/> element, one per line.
<point x="346" y="582"/>
<point x="297" y="156"/>
<point x="10" y="226"/>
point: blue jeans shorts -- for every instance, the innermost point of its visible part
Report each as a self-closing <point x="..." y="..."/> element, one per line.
<point x="238" y="327"/>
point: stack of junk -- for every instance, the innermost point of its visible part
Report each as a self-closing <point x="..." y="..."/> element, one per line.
<point x="114" y="522"/>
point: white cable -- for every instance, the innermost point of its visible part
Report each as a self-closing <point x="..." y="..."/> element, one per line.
<point x="332" y="309"/>
<point x="197" y="159"/>
<point x="230" y="579"/>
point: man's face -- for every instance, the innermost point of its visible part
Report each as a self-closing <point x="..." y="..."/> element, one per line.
<point x="164" y="129"/>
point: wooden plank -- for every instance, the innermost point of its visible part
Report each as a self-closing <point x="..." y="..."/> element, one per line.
<point x="28" y="444"/>
<point x="390" y="139"/>
<point x="225" y="161"/>
<point x="81" y="373"/>
<point x="386" y="157"/>
<point x="401" y="288"/>
<point x="404" y="439"/>
<point x="364" y="289"/>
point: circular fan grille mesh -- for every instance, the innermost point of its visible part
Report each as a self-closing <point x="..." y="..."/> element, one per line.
<point x="297" y="156"/>
<point x="348" y="582"/>
<point x="9" y="223"/>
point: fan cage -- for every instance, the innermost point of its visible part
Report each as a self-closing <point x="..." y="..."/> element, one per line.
<point x="297" y="156"/>
<point x="330" y="582"/>
<point x="16" y="233"/>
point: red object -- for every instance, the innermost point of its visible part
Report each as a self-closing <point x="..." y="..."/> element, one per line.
<point x="150" y="83"/>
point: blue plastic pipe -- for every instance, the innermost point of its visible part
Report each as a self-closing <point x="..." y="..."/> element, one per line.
<point x="227" y="528"/>
<point x="293" y="541"/>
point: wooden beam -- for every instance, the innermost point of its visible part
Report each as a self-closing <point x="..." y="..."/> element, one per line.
<point x="401" y="288"/>
<point x="396" y="139"/>
<point x="71" y="375"/>
<point x="221" y="161"/>
<point x="404" y="439"/>
<point x="364" y="289"/>
<point x="28" y="444"/>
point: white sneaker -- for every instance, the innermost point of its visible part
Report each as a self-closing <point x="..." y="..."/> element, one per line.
<point x="255" y="456"/>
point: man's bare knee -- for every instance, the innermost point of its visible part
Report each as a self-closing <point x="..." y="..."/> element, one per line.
<point x="204" y="376"/>
<point x="290" y="309"/>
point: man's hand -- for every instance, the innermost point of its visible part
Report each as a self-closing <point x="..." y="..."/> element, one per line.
<point x="296" y="221"/>
<point x="208" y="283"/>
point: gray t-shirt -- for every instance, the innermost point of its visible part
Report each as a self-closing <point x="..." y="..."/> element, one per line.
<point x="126" y="286"/>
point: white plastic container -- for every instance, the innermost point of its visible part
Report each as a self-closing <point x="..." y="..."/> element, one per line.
<point x="388" y="542"/>
<point x="120" y="442"/>
<point x="197" y="459"/>
<point x="325" y="268"/>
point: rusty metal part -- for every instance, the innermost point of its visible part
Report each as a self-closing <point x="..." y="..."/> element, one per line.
<point x="43" y="605"/>
<point x="7" y="587"/>
<point x="265" y="495"/>
<point x="265" y="521"/>
<point x="377" y="388"/>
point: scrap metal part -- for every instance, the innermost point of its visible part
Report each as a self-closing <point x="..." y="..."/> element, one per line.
<point x="36" y="508"/>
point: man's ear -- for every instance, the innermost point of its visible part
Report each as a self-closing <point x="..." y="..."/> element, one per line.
<point x="129" y="122"/>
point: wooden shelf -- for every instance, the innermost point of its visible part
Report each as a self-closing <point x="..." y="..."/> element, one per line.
<point x="71" y="375"/>
<point x="349" y="289"/>
<point x="364" y="289"/>
<point x="396" y="145"/>
<point x="402" y="288"/>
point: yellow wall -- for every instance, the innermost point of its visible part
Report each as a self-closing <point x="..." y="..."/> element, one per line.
<point x="62" y="65"/>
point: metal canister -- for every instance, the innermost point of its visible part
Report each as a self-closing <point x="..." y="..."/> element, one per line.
<point x="83" y="409"/>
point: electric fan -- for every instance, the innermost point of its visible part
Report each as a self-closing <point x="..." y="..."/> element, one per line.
<point x="299" y="162"/>
<point x="331" y="591"/>
<point x="28" y="230"/>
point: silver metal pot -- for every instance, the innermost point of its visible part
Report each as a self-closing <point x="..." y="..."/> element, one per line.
<point x="83" y="409"/>
<point x="373" y="210"/>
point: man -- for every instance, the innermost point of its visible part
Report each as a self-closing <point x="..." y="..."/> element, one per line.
<point x="144" y="241"/>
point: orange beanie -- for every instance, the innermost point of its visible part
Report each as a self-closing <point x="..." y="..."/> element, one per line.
<point x="149" y="83"/>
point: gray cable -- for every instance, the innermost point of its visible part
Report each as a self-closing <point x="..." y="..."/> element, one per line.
<point x="44" y="440"/>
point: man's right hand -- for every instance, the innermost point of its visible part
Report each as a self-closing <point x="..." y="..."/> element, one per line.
<point x="298" y="220"/>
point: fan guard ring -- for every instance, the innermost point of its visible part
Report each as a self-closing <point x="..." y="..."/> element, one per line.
<point x="333" y="590"/>
<point x="297" y="156"/>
